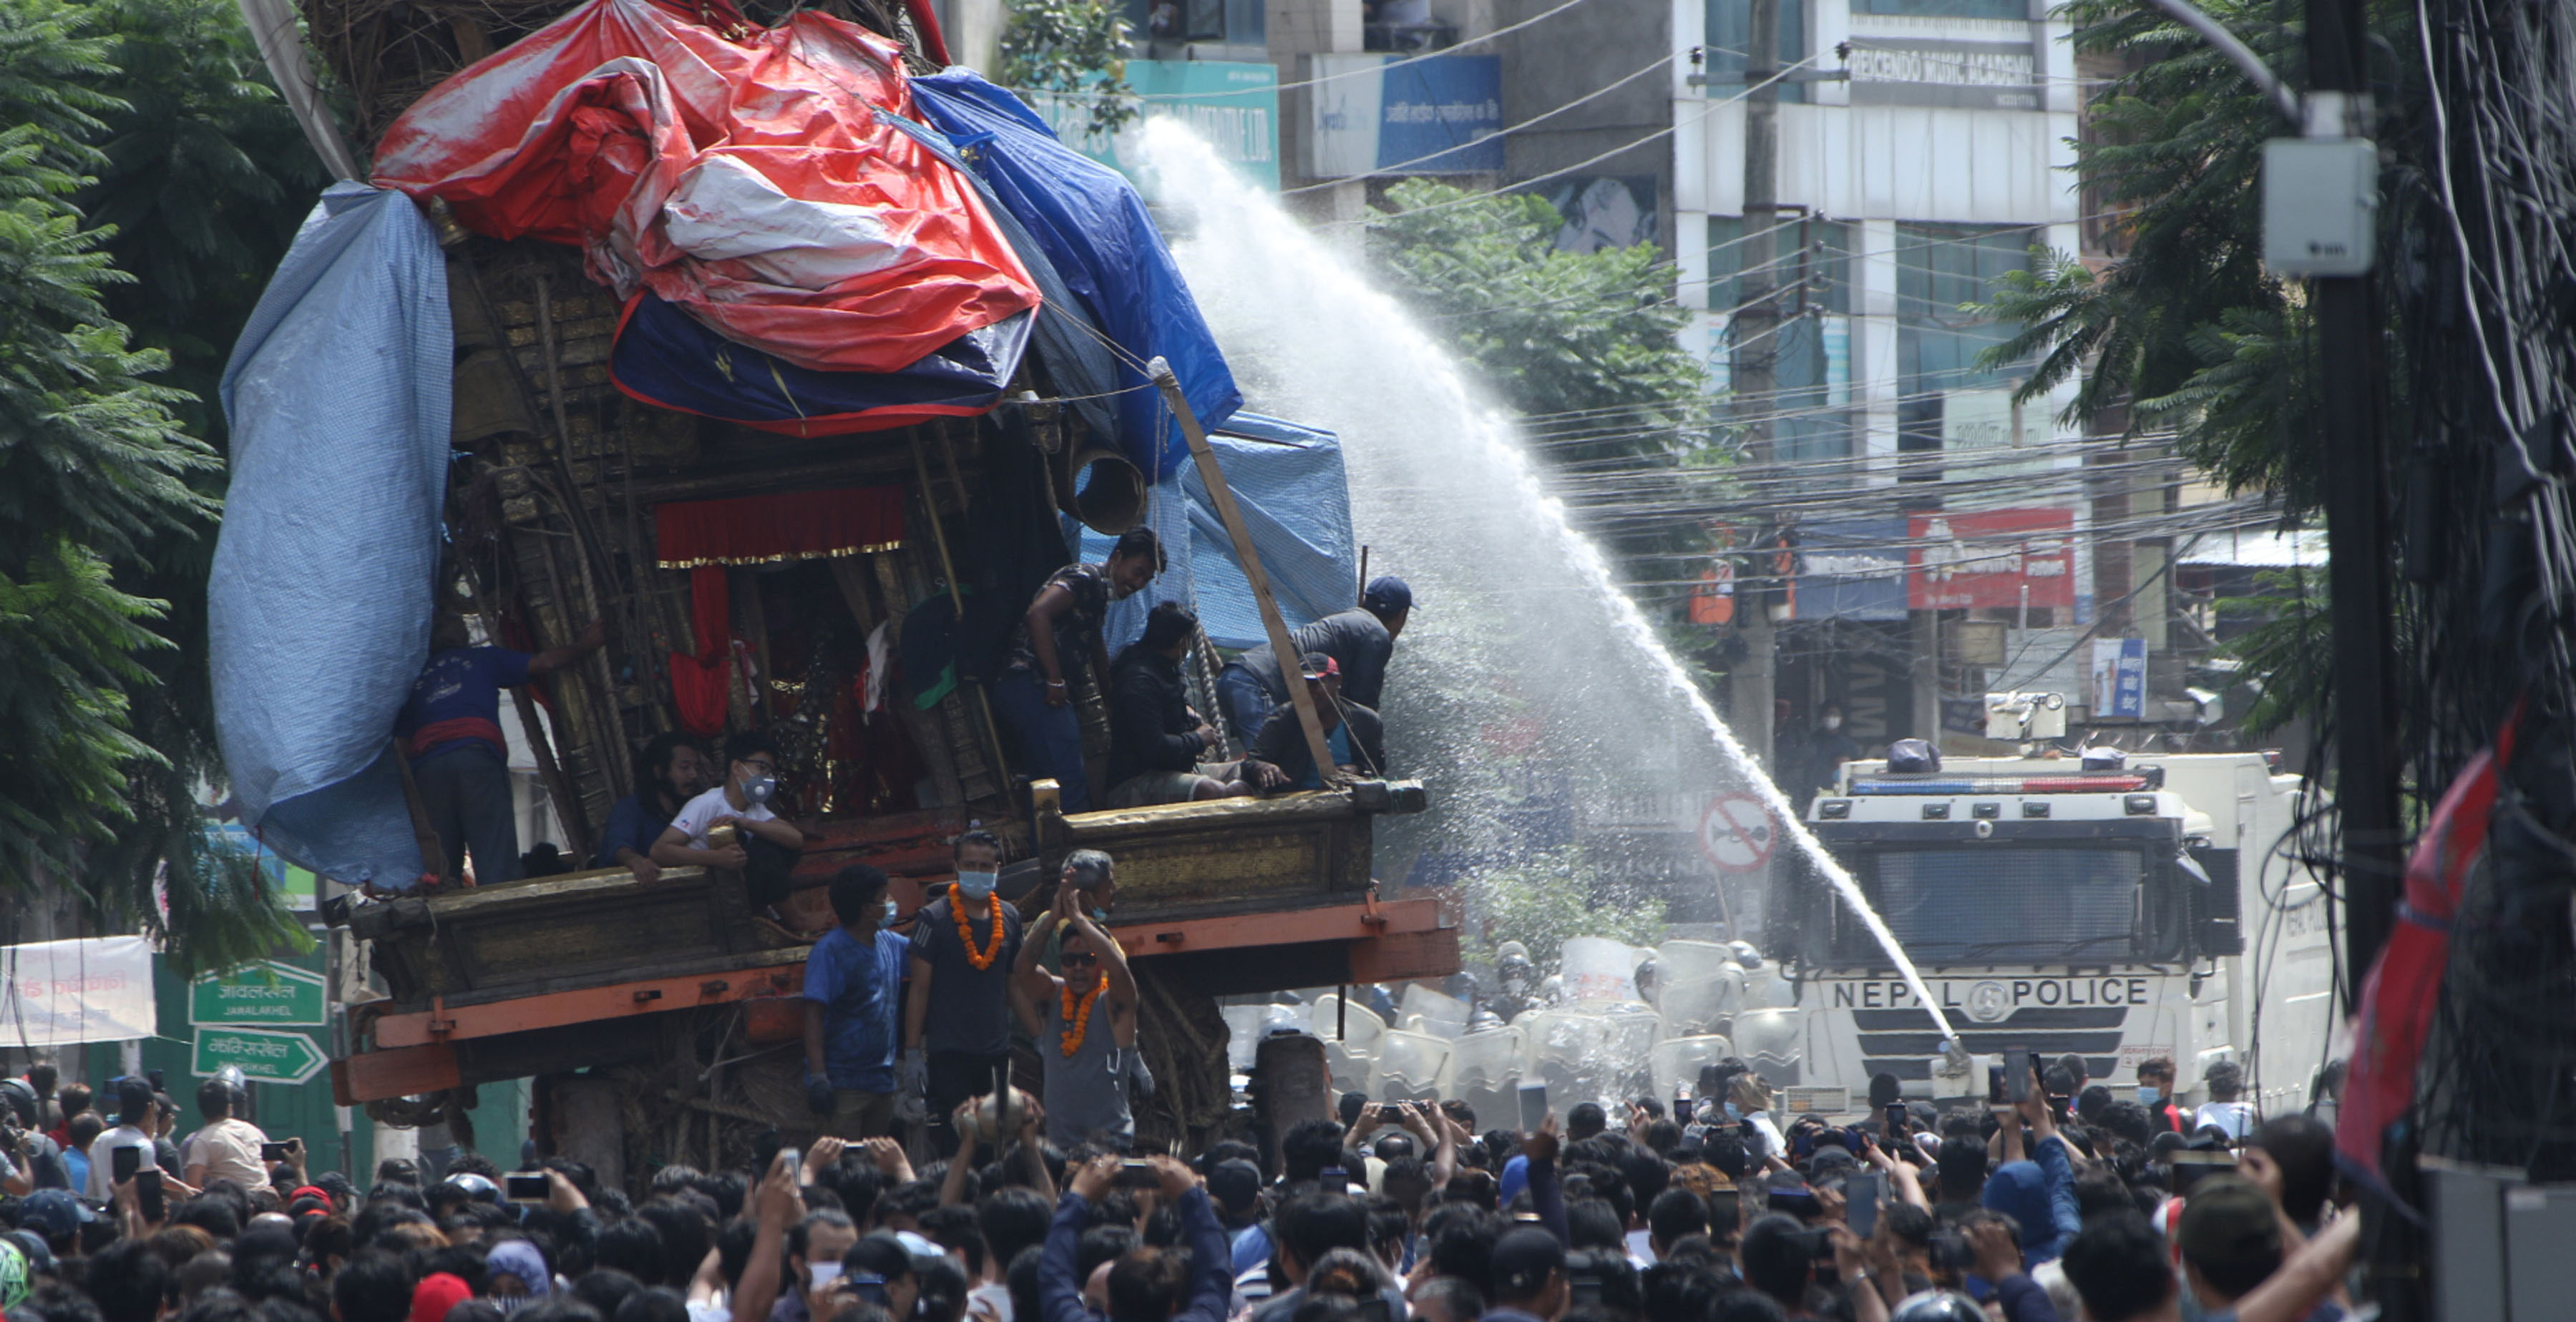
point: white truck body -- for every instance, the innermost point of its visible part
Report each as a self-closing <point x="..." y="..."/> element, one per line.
<point x="2060" y="910"/>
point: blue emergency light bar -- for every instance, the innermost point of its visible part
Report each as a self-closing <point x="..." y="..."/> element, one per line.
<point x="2073" y="782"/>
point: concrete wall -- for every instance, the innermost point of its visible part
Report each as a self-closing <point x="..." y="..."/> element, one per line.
<point x="1574" y="55"/>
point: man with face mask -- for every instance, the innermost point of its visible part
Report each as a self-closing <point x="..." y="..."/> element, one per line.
<point x="1829" y="748"/>
<point x="957" y="1024"/>
<point x="853" y="982"/>
<point x="742" y="802"/>
<point x="672" y="771"/>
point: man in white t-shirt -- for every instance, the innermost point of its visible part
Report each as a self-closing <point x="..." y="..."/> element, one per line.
<point x="2223" y="1110"/>
<point x="226" y="1149"/>
<point x="133" y="1130"/>
<point x="743" y="801"/>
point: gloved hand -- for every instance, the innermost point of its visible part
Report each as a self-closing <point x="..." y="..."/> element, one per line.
<point x="1140" y="1080"/>
<point x="915" y="1076"/>
<point x="818" y="1094"/>
<point x="911" y="1107"/>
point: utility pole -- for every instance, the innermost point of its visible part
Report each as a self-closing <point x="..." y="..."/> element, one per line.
<point x="1756" y="325"/>
<point x="2349" y="375"/>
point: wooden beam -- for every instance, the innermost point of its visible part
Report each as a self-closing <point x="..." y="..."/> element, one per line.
<point x="1281" y="645"/>
<point x="375" y="1075"/>
<point x="782" y="974"/>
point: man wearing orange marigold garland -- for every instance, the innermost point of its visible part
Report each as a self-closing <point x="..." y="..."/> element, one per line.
<point x="957" y="1024"/>
<point x="1085" y="1024"/>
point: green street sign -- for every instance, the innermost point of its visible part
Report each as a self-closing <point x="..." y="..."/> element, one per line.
<point x="261" y="1056"/>
<point x="263" y="993"/>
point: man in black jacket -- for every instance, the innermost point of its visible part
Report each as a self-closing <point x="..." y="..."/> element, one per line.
<point x="1360" y="640"/>
<point x="1280" y="758"/>
<point x="1155" y="740"/>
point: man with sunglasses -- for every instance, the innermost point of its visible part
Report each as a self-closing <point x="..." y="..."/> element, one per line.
<point x="1085" y="1025"/>
<point x="743" y="802"/>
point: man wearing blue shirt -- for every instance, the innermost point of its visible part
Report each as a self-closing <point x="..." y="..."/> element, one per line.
<point x="672" y="771"/>
<point x="853" y="990"/>
<point x="450" y="727"/>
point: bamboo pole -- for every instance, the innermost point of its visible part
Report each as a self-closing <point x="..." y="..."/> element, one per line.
<point x="957" y="591"/>
<point x="1281" y="645"/>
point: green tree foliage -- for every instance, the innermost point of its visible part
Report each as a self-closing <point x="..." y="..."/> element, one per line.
<point x="1551" y="897"/>
<point x="1553" y="332"/>
<point x="1075" y="48"/>
<point x="2186" y="325"/>
<point x="106" y="512"/>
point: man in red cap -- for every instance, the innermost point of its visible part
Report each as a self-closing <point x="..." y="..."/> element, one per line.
<point x="1280" y="758"/>
<point x="437" y="1293"/>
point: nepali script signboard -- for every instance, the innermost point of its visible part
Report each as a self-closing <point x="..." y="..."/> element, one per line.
<point x="266" y="992"/>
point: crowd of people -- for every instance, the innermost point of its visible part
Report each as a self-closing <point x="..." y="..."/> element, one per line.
<point x="2052" y="1207"/>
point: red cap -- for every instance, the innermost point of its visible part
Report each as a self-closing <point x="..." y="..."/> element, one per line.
<point x="437" y="1293"/>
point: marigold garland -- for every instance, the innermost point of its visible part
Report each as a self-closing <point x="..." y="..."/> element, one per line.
<point x="981" y="959"/>
<point x="1077" y="1015"/>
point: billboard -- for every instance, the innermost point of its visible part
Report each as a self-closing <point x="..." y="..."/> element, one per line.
<point x="1988" y="558"/>
<point x="1852" y="569"/>
<point x="1234" y="105"/>
<point x="1974" y="75"/>
<point x="1395" y="114"/>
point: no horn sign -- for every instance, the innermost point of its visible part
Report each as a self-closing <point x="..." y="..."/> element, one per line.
<point x="1738" y="833"/>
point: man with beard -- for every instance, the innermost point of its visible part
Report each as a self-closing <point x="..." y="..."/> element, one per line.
<point x="672" y="771"/>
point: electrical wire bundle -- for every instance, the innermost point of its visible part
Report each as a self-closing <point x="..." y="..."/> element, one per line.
<point x="2488" y="314"/>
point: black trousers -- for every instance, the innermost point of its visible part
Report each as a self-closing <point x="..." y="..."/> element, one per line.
<point x="466" y="793"/>
<point x="954" y="1077"/>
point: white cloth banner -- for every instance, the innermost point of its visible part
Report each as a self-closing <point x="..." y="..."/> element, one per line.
<point x="60" y="993"/>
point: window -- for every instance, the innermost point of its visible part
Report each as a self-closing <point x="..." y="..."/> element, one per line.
<point x="2008" y="905"/>
<point x="1730" y="34"/>
<point x="2011" y="10"/>
<point x="1812" y="265"/>
<point x="1938" y="269"/>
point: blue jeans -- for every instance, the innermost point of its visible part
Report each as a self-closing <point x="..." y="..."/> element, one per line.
<point x="1246" y="702"/>
<point x="1050" y="738"/>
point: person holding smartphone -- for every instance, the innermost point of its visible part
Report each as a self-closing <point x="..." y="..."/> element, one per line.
<point x="133" y="1130"/>
<point x="227" y="1148"/>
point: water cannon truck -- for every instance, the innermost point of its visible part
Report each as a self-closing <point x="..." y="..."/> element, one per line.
<point x="2122" y="910"/>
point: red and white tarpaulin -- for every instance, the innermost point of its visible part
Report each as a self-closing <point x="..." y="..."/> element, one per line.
<point x="744" y="175"/>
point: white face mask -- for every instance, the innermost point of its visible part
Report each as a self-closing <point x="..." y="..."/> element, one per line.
<point x="1833" y="722"/>
<point x="889" y="911"/>
<point x="976" y="886"/>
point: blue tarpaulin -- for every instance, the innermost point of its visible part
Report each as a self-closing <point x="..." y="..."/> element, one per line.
<point x="338" y="395"/>
<point x="1092" y="225"/>
<point x="665" y="356"/>
<point x="1289" y="483"/>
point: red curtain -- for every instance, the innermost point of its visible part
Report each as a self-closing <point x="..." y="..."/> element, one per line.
<point x="760" y="530"/>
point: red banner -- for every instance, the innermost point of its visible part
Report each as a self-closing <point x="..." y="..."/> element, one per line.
<point x="1984" y="558"/>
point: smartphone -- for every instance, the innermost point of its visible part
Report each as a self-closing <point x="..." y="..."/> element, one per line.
<point x="275" y="1152"/>
<point x="1898" y="1120"/>
<point x="1860" y="1202"/>
<point x="1796" y="1200"/>
<point x="2189" y="1166"/>
<point x="1533" y="1107"/>
<point x="1950" y="1251"/>
<point x="1142" y="1175"/>
<point x="524" y="1188"/>
<point x="1994" y="1085"/>
<point x="124" y="1162"/>
<point x="825" y="1272"/>
<point x="147" y="1192"/>
<point x="795" y="1160"/>
<point x="2017" y="1074"/>
<point x="1334" y="1178"/>
<point x="1681" y="1110"/>
<point x="1586" y="1288"/>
